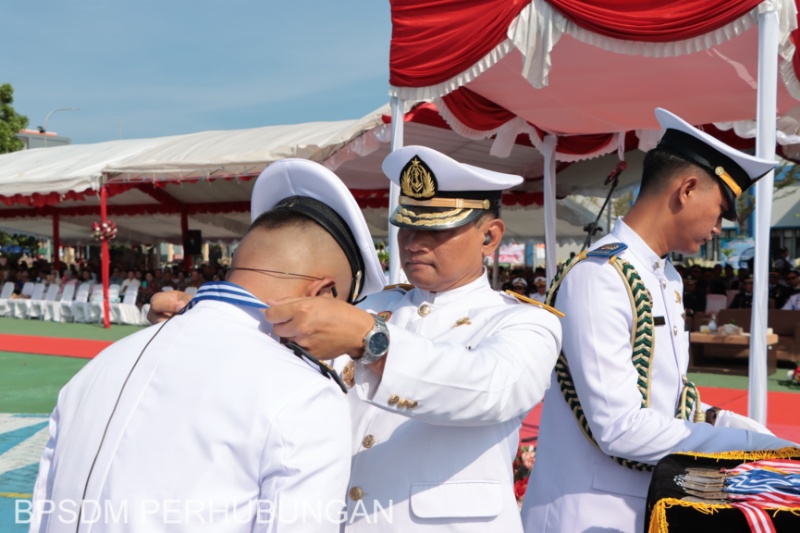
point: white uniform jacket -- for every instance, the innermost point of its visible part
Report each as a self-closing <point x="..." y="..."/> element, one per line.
<point x="217" y="426"/>
<point x="434" y="439"/>
<point x="574" y="486"/>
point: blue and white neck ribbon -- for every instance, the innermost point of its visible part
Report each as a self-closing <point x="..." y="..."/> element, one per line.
<point x="224" y="291"/>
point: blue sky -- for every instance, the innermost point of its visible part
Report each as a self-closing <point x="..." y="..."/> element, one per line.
<point x="149" y="68"/>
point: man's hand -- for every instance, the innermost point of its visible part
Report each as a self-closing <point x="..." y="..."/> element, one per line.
<point x="327" y="328"/>
<point x="729" y="419"/>
<point x="165" y="304"/>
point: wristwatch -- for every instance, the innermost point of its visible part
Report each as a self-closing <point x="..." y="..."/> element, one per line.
<point x="376" y="342"/>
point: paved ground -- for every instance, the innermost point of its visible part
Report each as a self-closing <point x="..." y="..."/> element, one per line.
<point x="22" y="439"/>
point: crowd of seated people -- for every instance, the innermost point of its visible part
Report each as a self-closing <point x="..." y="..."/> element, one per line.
<point x="147" y="281"/>
<point x="735" y="288"/>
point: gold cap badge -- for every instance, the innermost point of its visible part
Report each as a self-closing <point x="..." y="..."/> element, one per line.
<point x="417" y="180"/>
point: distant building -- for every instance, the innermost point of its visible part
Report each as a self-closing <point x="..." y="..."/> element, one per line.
<point x="39" y="139"/>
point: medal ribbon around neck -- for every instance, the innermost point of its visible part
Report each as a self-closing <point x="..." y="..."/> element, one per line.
<point x="224" y="291"/>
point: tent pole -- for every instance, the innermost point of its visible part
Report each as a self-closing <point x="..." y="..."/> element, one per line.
<point x="398" y="116"/>
<point x="104" y="256"/>
<point x="766" y="112"/>
<point x="187" y="259"/>
<point x="56" y="242"/>
<point x="549" y="153"/>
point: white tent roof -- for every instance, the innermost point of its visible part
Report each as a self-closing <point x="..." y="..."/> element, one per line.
<point x="210" y="175"/>
<point x="61" y="169"/>
<point x="224" y="154"/>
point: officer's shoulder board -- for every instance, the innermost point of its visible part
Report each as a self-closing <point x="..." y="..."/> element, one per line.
<point x="525" y="299"/>
<point x="402" y="287"/>
<point x="607" y="251"/>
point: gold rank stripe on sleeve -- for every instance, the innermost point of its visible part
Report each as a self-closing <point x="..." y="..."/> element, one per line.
<point x="527" y="300"/>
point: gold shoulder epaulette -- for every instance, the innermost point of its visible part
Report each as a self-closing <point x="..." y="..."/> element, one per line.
<point x="527" y="300"/>
<point x="405" y="286"/>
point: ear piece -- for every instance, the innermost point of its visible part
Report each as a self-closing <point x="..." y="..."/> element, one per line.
<point x="487" y="239"/>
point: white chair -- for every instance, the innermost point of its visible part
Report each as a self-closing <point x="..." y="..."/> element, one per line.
<point x="191" y="291"/>
<point x="143" y="317"/>
<point x="127" y="312"/>
<point x="167" y="288"/>
<point x="730" y="295"/>
<point x="81" y="310"/>
<point x="36" y="305"/>
<point x="18" y="306"/>
<point x="52" y="310"/>
<point x="81" y="296"/>
<point x="96" y="307"/>
<point x="5" y="296"/>
<point x="715" y="302"/>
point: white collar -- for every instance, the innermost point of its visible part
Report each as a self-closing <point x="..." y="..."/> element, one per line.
<point x="453" y="295"/>
<point x="639" y="248"/>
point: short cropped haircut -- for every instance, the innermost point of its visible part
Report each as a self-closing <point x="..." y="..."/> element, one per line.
<point x="282" y="218"/>
<point x="659" y="167"/>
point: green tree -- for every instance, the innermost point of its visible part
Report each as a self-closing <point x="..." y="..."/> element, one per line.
<point x="746" y="203"/>
<point x="10" y="121"/>
<point x="621" y="205"/>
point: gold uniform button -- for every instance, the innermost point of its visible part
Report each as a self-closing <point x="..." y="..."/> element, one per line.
<point x="402" y="404"/>
<point x="424" y="310"/>
<point x="393" y="399"/>
<point x="674" y="330"/>
<point x="356" y="493"/>
<point x="368" y="441"/>
<point x="412" y="404"/>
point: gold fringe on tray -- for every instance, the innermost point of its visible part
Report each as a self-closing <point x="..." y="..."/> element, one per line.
<point x="783" y="453"/>
<point x="658" y="519"/>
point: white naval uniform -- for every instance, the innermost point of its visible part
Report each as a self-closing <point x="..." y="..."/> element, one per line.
<point x="538" y="297"/>
<point x="793" y="303"/>
<point x="435" y="437"/>
<point x="218" y="424"/>
<point x="575" y="487"/>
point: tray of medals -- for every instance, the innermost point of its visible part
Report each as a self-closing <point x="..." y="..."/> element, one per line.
<point x="730" y="491"/>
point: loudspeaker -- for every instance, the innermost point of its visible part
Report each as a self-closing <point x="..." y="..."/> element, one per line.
<point x="193" y="243"/>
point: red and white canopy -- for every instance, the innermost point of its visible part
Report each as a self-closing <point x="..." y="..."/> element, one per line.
<point x="586" y="70"/>
<point x="578" y="75"/>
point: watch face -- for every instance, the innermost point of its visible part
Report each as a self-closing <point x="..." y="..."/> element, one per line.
<point x="378" y="343"/>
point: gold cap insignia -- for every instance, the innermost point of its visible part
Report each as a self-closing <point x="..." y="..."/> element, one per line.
<point x="417" y="180"/>
<point x="385" y="315"/>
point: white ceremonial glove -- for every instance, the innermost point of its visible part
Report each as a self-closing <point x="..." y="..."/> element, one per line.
<point x="760" y="441"/>
<point x="729" y="419"/>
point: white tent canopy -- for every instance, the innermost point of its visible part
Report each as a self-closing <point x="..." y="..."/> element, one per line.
<point x="209" y="175"/>
<point x="62" y="169"/>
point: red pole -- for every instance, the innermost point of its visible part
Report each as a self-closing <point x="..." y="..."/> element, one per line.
<point x="56" y="242"/>
<point x="104" y="257"/>
<point x="187" y="259"/>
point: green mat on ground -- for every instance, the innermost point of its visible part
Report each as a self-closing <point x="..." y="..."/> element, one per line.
<point x="13" y="326"/>
<point x="724" y="381"/>
<point x="30" y="383"/>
